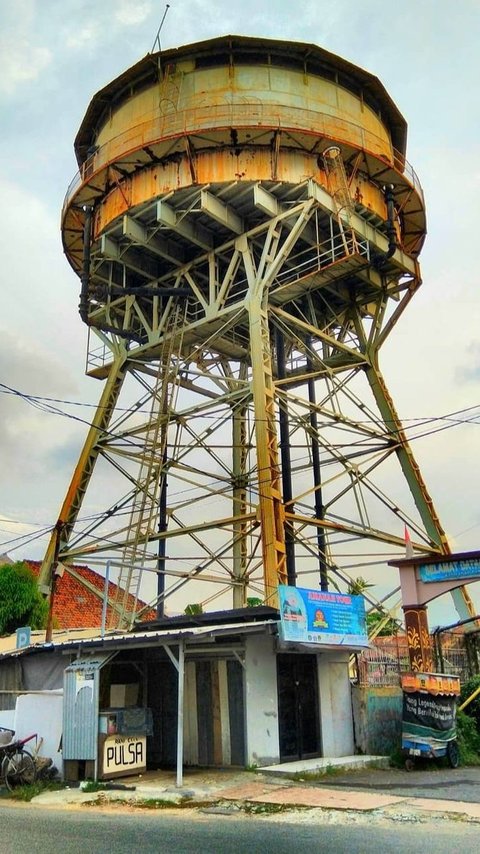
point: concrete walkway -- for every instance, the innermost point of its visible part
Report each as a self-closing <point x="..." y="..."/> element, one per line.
<point x="326" y="764"/>
<point x="391" y="793"/>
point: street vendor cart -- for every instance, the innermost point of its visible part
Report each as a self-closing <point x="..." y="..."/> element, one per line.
<point x="429" y="717"/>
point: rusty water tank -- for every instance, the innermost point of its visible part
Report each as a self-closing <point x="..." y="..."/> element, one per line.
<point x="229" y="113"/>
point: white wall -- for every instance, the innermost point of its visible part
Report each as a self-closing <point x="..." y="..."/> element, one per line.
<point x="261" y="704"/>
<point x="7" y="718"/>
<point x="42" y="713"/>
<point x="335" y="704"/>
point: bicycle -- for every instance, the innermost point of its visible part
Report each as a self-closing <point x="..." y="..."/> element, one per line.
<point x="18" y="767"/>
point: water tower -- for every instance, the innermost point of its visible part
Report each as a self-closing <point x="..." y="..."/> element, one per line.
<point x="245" y="228"/>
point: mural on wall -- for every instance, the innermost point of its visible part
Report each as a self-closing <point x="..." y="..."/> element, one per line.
<point x="418" y="638"/>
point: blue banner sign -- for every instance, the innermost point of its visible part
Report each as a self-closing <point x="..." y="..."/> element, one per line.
<point x="449" y="570"/>
<point x="318" y="617"/>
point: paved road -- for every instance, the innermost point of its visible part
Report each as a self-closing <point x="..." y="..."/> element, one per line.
<point x="459" y="784"/>
<point x="25" y="830"/>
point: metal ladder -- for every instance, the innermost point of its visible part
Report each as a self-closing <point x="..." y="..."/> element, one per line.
<point x="144" y="509"/>
<point x="340" y="192"/>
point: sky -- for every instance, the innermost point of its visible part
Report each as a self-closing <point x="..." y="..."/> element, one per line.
<point x="55" y="54"/>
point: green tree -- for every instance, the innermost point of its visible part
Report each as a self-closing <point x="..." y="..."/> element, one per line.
<point x="473" y="708"/>
<point x="21" y="603"/>
<point x="357" y="586"/>
<point x="376" y="617"/>
<point x="193" y="609"/>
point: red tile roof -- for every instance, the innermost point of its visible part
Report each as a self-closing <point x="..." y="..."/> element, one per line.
<point x="78" y="607"/>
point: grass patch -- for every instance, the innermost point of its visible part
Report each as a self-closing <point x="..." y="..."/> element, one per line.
<point x="26" y="793"/>
<point x="89" y="786"/>
<point x="156" y="804"/>
<point x="146" y="803"/>
<point x="313" y="776"/>
<point x="397" y="758"/>
<point x="268" y="809"/>
<point x="332" y="771"/>
<point x="161" y="804"/>
<point x="248" y="808"/>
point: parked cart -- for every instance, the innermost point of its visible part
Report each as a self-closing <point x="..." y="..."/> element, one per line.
<point x="429" y="717"/>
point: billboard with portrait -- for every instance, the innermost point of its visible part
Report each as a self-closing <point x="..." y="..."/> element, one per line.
<point x="321" y="617"/>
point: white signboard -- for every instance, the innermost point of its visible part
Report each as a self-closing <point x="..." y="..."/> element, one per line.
<point x="124" y="754"/>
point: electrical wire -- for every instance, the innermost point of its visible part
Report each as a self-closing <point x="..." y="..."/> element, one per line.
<point x="44" y="404"/>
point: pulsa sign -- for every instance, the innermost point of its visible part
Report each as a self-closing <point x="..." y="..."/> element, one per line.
<point x="320" y="617"/>
<point x="123" y="754"/>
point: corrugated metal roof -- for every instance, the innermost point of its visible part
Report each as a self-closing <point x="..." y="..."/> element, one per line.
<point x="149" y="638"/>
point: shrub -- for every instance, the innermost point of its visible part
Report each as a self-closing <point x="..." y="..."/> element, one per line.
<point x="468" y="738"/>
<point x="473" y="708"/>
<point x="21" y="603"/>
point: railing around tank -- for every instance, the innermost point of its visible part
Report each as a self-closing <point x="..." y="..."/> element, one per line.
<point x="310" y="261"/>
<point x="314" y="259"/>
<point x="98" y="354"/>
<point x="227" y="115"/>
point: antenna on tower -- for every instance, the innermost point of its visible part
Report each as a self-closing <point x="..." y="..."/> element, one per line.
<point x="157" y="37"/>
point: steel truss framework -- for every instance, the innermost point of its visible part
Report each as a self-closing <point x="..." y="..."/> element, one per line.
<point x="249" y="431"/>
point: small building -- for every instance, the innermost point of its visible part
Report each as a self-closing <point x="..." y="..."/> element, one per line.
<point x="216" y="689"/>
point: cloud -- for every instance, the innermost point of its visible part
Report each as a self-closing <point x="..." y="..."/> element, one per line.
<point x="42" y="354"/>
<point x="23" y="365"/>
<point x="39" y="293"/>
<point x="24" y="434"/>
<point x="102" y="26"/>
<point x="86" y="36"/>
<point x="129" y="13"/>
<point x="23" y="48"/>
<point x="471" y="371"/>
<point x="22" y="62"/>
<point x="37" y="450"/>
<point x="13" y="527"/>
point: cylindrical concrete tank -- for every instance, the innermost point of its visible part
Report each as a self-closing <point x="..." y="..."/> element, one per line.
<point x="230" y="113"/>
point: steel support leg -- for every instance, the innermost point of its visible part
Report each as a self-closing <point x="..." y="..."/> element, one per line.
<point x="317" y="475"/>
<point x="271" y="513"/>
<point x="286" y="464"/>
<point x="83" y="471"/>
<point x="239" y="498"/>
<point x="418" y="489"/>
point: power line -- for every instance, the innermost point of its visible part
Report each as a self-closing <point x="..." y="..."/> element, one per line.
<point x="43" y="404"/>
<point x="26" y="539"/>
